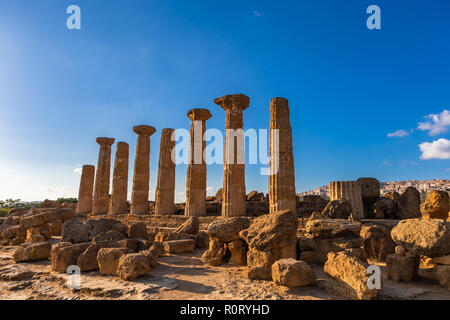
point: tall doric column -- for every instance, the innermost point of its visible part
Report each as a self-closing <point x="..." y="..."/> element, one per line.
<point x="101" y="189"/>
<point x="86" y="189"/>
<point x="120" y="180"/>
<point x="165" y="188"/>
<point x="234" y="196"/>
<point x="196" y="173"/>
<point x="282" y="179"/>
<point x="141" y="177"/>
<point x="350" y="191"/>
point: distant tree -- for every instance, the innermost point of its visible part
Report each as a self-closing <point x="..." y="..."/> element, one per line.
<point x="70" y="200"/>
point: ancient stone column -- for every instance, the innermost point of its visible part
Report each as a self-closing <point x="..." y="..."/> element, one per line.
<point x="234" y="196"/>
<point x="86" y="189"/>
<point x="370" y="191"/>
<point x="101" y="188"/>
<point x="141" y="177"/>
<point x="196" y="173"/>
<point x="120" y="180"/>
<point x="165" y="187"/>
<point x="281" y="162"/>
<point x="350" y="191"/>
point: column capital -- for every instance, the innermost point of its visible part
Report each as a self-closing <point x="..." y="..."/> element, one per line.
<point x="105" y="141"/>
<point x="199" y="114"/>
<point x="235" y="101"/>
<point x="144" y="130"/>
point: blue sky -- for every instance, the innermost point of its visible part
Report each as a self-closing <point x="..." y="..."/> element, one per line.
<point x="149" y="62"/>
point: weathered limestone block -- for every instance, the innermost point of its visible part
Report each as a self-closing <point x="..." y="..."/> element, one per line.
<point x="270" y="237"/>
<point x="442" y="260"/>
<point x="238" y="253"/>
<point x="409" y="204"/>
<point x="430" y="238"/>
<point x="170" y="236"/>
<point x="350" y="191"/>
<point x="370" y="191"/>
<point x="43" y="230"/>
<point x="377" y="242"/>
<point x="86" y="190"/>
<point x="87" y="261"/>
<point x="14" y="231"/>
<point x="190" y="226"/>
<point x="281" y="161"/>
<point x="292" y="273"/>
<point x="75" y="231"/>
<point x="311" y="203"/>
<point x="119" y="191"/>
<point x="49" y="204"/>
<point x="158" y="249"/>
<point x="228" y="229"/>
<point x="348" y="276"/>
<point x="315" y="250"/>
<point x="31" y="251"/>
<point x="436" y="206"/>
<point x="255" y="196"/>
<point x="131" y="244"/>
<point x="138" y="231"/>
<point x="133" y="265"/>
<point x="65" y="254"/>
<point x="401" y="268"/>
<point x="196" y="173"/>
<point x="39" y="219"/>
<point x="337" y="209"/>
<point x="108" y="259"/>
<point x="385" y="208"/>
<point x="328" y="228"/>
<point x="141" y="177"/>
<point x="443" y="274"/>
<point x="101" y="187"/>
<point x="215" y="253"/>
<point x="97" y="226"/>
<point x="179" y="246"/>
<point x="234" y="195"/>
<point x="165" y="187"/>
<point x="111" y="236"/>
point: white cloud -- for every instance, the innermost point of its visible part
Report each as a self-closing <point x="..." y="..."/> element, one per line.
<point x="437" y="123"/>
<point x="398" y="134"/>
<point x="78" y="170"/>
<point x="439" y="149"/>
<point x="257" y="13"/>
<point x="210" y="190"/>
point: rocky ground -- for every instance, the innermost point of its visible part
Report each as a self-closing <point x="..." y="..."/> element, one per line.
<point x="181" y="276"/>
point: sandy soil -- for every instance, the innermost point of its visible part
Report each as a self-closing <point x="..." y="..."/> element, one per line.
<point x="177" y="277"/>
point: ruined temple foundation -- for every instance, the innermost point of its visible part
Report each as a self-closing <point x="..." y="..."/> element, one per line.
<point x="86" y="189"/>
<point x="350" y="191"/>
<point x="101" y="188"/>
<point x="234" y="196"/>
<point x="141" y="177"/>
<point x="165" y="187"/>
<point x="196" y="173"/>
<point x="120" y="180"/>
<point x="281" y="164"/>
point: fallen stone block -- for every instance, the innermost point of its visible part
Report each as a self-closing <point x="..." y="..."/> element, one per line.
<point x="401" y="268"/>
<point x="108" y="259"/>
<point x="292" y="273"/>
<point x="132" y="266"/>
<point x="138" y="230"/>
<point x="32" y="252"/>
<point x="429" y="238"/>
<point x="348" y="276"/>
<point x="65" y="254"/>
<point x="179" y="246"/>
